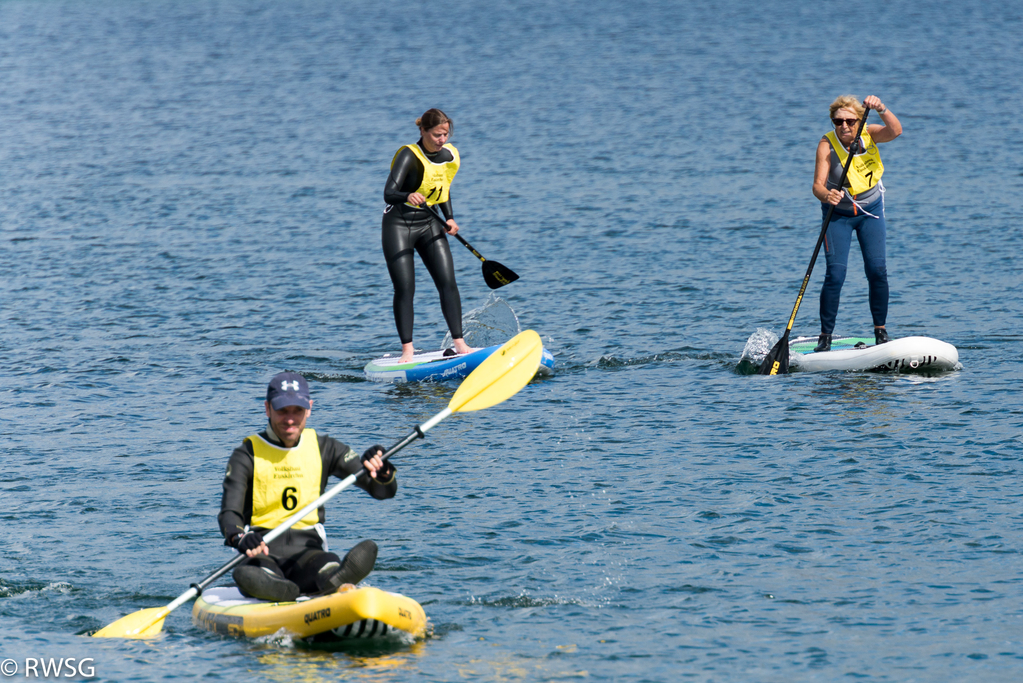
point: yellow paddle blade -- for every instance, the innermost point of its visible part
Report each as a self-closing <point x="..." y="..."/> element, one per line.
<point x="501" y="375"/>
<point x="145" y="623"/>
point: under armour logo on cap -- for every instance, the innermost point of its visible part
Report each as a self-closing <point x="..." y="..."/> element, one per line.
<point x="288" y="389"/>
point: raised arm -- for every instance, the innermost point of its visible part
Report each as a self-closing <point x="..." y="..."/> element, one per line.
<point x="341" y="461"/>
<point x="891" y="129"/>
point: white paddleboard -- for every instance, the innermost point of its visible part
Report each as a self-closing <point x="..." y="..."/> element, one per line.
<point x="860" y="353"/>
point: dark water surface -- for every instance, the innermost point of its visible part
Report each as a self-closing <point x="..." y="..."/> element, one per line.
<point x="190" y="195"/>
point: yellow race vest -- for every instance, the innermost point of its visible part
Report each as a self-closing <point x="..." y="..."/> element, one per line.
<point x="436" y="177"/>
<point x="285" y="480"/>
<point x="866" y="169"/>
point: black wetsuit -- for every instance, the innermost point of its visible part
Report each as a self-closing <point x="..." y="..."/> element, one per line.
<point x="406" y="228"/>
<point x="297" y="554"/>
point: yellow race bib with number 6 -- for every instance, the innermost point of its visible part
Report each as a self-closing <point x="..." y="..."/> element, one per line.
<point x="284" y="480"/>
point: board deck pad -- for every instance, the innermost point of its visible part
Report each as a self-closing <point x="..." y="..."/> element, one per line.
<point x="807" y="344"/>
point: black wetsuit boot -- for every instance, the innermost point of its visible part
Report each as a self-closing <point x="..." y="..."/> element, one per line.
<point x="264" y="584"/>
<point x="356" y="566"/>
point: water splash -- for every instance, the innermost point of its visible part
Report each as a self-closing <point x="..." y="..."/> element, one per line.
<point x="758" y="346"/>
<point x="523" y="600"/>
<point x="280" y="639"/>
<point x="23" y="590"/>
<point x="492" y="323"/>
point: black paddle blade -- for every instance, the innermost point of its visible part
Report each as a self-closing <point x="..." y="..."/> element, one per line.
<point x="496" y="275"/>
<point x="777" y="361"/>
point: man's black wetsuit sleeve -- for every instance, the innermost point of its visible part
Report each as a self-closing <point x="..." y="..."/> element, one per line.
<point x="236" y="502"/>
<point x="405" y="177"/>
<point x="340" y="460"/>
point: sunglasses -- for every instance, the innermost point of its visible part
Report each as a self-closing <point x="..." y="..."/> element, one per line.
<point x="849" y="122"/>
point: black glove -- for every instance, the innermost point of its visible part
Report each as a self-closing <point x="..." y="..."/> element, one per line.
<point x="385" y="472"/>
<point x="247" y="541"/>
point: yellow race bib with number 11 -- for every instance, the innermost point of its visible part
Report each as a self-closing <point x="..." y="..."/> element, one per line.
<point x="436" y="185"/>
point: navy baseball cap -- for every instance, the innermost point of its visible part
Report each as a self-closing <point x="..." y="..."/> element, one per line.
<point x="288" y="389"/>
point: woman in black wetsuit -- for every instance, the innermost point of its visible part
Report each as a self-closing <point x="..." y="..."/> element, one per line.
<point x="422" y="174"/>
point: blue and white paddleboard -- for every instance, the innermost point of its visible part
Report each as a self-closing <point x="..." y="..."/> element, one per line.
<point x="860" y="353"/>
<point x="437" y="367"/>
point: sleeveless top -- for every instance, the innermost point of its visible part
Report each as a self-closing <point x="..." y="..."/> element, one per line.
<point x="864" y="179"/>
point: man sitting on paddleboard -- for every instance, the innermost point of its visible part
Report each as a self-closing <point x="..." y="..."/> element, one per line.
<point x="859" y="207"/>
<point x="279" y="471"/>
<point x="422" y="174"/>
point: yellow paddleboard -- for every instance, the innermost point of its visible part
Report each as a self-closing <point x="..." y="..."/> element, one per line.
<point x="355" y="613"/>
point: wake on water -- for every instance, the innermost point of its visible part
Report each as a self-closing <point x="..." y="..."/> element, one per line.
<point x="495" y="323"/>
<point x="492" y="323"/>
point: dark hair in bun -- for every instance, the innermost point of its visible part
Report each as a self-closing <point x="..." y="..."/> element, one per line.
<point x="433" y="118"/>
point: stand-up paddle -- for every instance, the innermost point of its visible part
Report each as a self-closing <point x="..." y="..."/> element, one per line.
<point x="494" y="274"/>
<point x="777" y="361"/>
<point x="499" y="377"/>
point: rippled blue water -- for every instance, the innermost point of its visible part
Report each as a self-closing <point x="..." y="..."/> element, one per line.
<point x="189" y="202"/>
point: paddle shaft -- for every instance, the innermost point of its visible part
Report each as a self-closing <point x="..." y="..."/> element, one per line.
<point x="469" y="247"/>
<point x="457" y="236"/>
<point x="197" y="588"/>
<point x="820" y="238"/>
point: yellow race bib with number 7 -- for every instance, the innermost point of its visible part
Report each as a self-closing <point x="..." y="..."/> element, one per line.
<point x="866" y="168"/>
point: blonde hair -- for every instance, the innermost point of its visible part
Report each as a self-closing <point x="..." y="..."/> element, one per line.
<point x="847" y="102"/>
<point x="433" y="118"/>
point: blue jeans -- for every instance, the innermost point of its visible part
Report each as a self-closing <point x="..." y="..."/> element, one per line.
<point x="871" y="234"/>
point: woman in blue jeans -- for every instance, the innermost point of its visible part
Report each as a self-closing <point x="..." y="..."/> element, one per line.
<point x="859" y="207"/>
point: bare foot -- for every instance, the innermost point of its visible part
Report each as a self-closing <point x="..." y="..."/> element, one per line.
<point x="407" y="351"/>
<point x="460" y="346"/>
